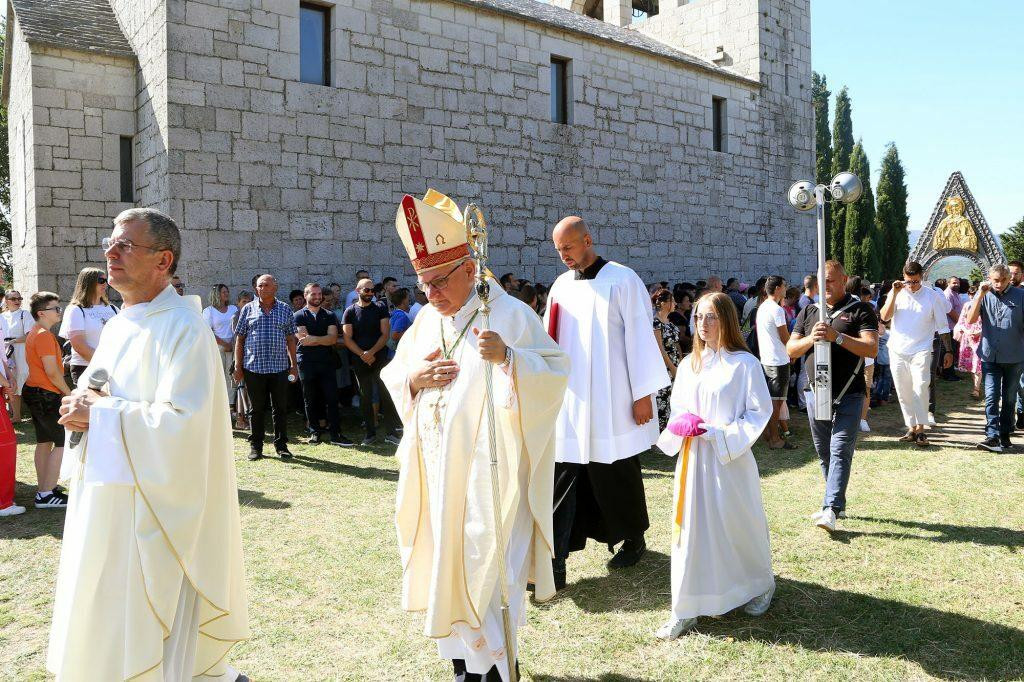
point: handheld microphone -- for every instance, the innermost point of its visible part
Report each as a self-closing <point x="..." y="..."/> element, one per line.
<point x="96" y="382"/>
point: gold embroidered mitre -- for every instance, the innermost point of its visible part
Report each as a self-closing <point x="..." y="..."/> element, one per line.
<point x="432" y="231"/>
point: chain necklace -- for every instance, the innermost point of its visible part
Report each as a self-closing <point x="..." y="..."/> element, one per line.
<point x="447" y="353"/>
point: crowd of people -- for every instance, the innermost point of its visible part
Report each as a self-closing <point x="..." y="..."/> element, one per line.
<point x="585" y="376"/>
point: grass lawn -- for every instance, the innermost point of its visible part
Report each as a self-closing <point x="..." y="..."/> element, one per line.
<point x="925" y="579"/>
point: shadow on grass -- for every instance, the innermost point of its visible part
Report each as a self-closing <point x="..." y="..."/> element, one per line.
<point x="345" y="469"/>
<point x="607" y="677"/>
<point x="34" y="522"/>
<point x="257" y="500"/>
<point x="979" y="535"/>
<point x="946" y="645"/>
<point x="644" y="587"/>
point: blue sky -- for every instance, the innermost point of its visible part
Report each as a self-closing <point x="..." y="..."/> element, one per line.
<point x="944" y="81"/>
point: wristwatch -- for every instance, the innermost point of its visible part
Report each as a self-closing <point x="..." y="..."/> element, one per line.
<point x="508" y="358"/>
<point x="839" y="339"/>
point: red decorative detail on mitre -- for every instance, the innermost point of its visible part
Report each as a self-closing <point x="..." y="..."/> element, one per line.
<point x="440" y="258"/>
<point x="412" y="220"/>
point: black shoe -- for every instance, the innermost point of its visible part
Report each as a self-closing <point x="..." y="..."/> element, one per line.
<point x="283" y="453"/>
<point x="342" y="440"/>
<point x="992" y="444"/>
<point x="1006" y="444"/>
<point x="50" y="500"/>
<point x="559" y="580"/>
<point x="255" y="455"/>
<point x="370" y="439"/>
<point x="393" y="439"/>
<point x="313" y="439"/>
<point x="628" y="554"/>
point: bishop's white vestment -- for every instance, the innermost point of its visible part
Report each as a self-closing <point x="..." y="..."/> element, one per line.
<point x="151" y="579"/>
<point x="444" y="511"/>
<point x="721" y="557"/>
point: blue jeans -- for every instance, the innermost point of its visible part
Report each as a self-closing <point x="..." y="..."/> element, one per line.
<point x="883" y="383"/>
<point x="1001" y="381"/>
<point x="834" y="442"/>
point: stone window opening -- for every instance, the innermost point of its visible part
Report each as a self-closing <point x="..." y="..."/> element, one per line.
<point x="127" y="171"/>
<point x="314" y="44"/>
<point x="719" y="120"/>
<point x="561" y="90"/>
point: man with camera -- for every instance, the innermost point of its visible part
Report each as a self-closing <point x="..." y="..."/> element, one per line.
<point x="916" y="313"/>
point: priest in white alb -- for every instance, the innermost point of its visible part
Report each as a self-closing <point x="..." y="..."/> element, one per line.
<point x="599" y="312"/>
<point x="445" y="515"/>
<point x="721" y="556"/>
<point x="151" y="581"/>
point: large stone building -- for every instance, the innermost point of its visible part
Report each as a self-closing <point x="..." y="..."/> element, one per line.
<point x="283" y="134"/>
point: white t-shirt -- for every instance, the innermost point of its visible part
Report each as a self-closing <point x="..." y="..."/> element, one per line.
<point x="89" y="320"/>
<point x="220" y="322"/>
<point x="17" y="322"/>
<point x="413" y="309"/>
<point x="916" y="320"/>
<point x="771" y="316"/>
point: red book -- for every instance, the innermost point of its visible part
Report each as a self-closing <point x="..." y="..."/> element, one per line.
<point x="553" y="311"/>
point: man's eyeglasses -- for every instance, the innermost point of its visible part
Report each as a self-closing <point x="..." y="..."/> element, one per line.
<point x="55" y="309"/>
<point x="123" y="245"/>
<point x="14" y="298"/>
<point x="438" y="283"/>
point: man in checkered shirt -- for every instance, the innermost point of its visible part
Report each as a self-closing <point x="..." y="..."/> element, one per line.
<point x="265" y="360"/>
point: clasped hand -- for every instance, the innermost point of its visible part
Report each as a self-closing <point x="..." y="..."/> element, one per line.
<point x="823" y="332"/>
<point x="434" y="372"/>
<point x="75" y="408"/>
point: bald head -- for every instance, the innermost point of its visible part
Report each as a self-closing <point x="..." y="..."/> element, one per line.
<point x="266" y="288"/>
<point x="573" y="242"/>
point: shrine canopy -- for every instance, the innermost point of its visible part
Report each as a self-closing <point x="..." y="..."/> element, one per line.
<point x="957" y="228"/>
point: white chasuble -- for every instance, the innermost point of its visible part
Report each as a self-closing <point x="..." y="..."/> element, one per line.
<point x="606" y="325"/>
<point x="153" y="511"/>
<point x="444" y="511"/>
<point x="721" y="557"/>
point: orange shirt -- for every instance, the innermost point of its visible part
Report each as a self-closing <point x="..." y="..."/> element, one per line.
<point x="38" y="344"/>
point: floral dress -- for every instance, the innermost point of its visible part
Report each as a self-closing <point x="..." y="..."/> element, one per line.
<point x="969" y="336"/>
<point x="670" y="341"/>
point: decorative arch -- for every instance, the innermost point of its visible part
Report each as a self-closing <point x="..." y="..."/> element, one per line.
<point x="989" y="251"/>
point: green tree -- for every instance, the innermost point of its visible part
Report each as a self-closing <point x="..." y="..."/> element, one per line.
<point x="859" y="250"/>
<point x="891" y="214"/>
<point x="1013" y="241"/>
<point x="842" y="141"/>
<point x="5" y="191"/>
<point x="822" y="136"/>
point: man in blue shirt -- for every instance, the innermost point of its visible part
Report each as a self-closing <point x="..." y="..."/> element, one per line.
<point x="265" y="360"/>
<point x="317" y="332"/>
<point x="1000" y="306"/>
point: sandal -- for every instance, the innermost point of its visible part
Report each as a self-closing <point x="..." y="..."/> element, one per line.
<point x="909" y="437"/>
<point x="921" y="440"/>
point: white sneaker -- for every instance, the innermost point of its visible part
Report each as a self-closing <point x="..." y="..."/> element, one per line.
<point x="864" y="426"/>
<point x="931" y="419"/>
<point x="758" y="606"/>
<point x="12" y="510"/>
<point x="826" y="520"/>
<point x="674" y="627"/>
<point x="817" y="514"/>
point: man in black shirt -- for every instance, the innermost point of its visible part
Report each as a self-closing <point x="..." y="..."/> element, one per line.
<point x="317" y="334"/>
<point x="852" y="329"/>
<point x="367" y="327"/>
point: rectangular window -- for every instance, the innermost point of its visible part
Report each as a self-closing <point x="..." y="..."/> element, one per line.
<point x="314" y="44"/>
<point x="718" y="121"/>
<point x="127" y="166"/>
<point x="561" y="90"/>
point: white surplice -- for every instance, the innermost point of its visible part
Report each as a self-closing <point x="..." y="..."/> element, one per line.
<point x="444" y="511"/>
<point x="151" y="576"/>
<point x="722" y="556"/>
<point x="606" y="325"/>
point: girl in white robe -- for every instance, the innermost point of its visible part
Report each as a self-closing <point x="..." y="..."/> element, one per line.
<point x="721" y="557"/>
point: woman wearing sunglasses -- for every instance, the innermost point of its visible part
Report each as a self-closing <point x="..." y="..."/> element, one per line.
<point x="87" y="313"/>
<point x="16" y="323"/>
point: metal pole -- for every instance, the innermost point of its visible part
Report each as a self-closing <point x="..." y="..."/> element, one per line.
<point x="477" y="231"/>
<point x="822" y="382"/>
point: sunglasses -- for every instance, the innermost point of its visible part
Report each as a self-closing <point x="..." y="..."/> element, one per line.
<point x="101" y="280"/>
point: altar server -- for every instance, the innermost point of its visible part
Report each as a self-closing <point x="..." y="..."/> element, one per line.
<point x="151" y="580"/>
<point x="600" y="314"/>
<point x="445" y="514"/>
<point x="721" y="558"/>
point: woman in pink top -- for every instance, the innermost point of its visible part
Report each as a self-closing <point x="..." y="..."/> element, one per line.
<point x="969" y="336"/>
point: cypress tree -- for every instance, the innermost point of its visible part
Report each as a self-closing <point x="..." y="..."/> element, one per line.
<point x="822" y="136"/>
<point x="860" y="253"/>
<point x="842" y="141"/>
<point x="891" y="216"/>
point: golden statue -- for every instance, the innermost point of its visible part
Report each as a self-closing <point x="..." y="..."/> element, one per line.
<point x="956" y="230"/>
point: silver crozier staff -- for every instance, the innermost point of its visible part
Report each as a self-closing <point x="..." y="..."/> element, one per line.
<point x="476" y="231"/>
<point x="804" y="195"/>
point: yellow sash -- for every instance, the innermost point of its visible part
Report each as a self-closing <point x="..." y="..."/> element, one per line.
<point x="677" y="527"/>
